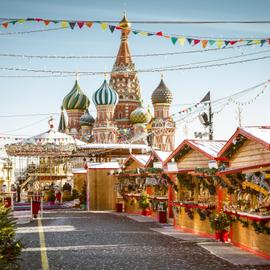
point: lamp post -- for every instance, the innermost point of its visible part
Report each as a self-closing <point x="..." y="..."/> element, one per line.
<point x="8" y="168"/>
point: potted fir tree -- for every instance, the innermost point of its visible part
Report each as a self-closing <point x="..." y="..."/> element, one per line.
<point x="220" y="222"/>
<point x="144" y="204"/>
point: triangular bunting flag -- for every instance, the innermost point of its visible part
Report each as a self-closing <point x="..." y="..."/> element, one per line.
<point x="256" y="41"/>
<point x="226" y="42"/>
<point x="65" y="24"/>
<point x="112" y="27"/>
<point x="182" y="41"/>
<point x="55" y="22"/>
<point x="150" y="34"/>
<point x="262" y="42"/>
<point x="5" y="24"/>
<point x="269" y="41"/>
<point x="118" y="27"/>
<point x="211" y="42"/>
<point x="89" y="24"/>
<point x="72" y="25"/>
<point x="167" y="36"/>
<point x="22" y="20"/>
<point x="174" y="40"/>
<point x="80" y="24"/>
<point x="104" y="26"/>
<point x="204" y="43"/>
<point x="196" y="41"/>
<point x="143" y="33"/>
<point x="232" y="42"/>
<point x="219" y="43"/>
<point x="159" y="33"/>
<point x="36" y="19"/>
<point x="189" y="40"/>
<point x="46" y="22"/>
<point x="135" y="32"/>
<point x="13" y="22"/>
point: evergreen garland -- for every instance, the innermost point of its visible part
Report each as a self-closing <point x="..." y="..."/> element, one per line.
<point x="186" y="181"/>
<point x="260" y="227"/>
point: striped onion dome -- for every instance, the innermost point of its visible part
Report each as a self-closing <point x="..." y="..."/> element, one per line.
<point x="105" y="95"/>
<point x="140" y="116"/>
<point x="87" y="119"/>
<point x="162" y="94"/>
<point x="76" y="99"/>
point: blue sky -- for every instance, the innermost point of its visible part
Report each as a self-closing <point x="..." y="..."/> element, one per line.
<point x="21" y="96"/>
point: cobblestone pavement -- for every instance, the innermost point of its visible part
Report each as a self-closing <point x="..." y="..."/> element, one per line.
<point x="77" y="240"/>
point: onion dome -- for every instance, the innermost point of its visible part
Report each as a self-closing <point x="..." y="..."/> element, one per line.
<point x="105" y="95"/>
<point x="124" y="24"/>
<point x="162" y="94"/>
<point x="87" y="119"/>
<point x="140" y="116"/>
<point x="76" y="99"/>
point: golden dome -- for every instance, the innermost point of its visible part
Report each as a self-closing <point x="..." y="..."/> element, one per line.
<point x="124" y="24"/>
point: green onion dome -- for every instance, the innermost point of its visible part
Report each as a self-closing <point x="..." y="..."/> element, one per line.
<point x="105" y="95"/>
<point x="87" y="119"/>
<point x="140" y="116"/>
<point x="162" y="94"/>
<point x="76" y="99"/>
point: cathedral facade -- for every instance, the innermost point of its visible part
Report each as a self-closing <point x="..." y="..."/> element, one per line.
<point x="121" y="117"/>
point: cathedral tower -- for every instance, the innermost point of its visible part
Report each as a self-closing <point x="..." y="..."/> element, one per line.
<point x="105" y="99"/>
<point x="163" y="125"/>
<point x="124" y="80"/>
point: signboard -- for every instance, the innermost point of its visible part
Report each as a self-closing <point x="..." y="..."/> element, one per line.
<point x="172" y="167"/>
<point x="157" y="165"/>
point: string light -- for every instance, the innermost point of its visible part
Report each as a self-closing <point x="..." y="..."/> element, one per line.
<point x="113" y="56"/>
<point x="92" y="73"/>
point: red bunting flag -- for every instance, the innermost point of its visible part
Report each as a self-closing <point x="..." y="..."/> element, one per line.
<point x="232" y="42"/>
<point x="5" y="24"/>
<point x="46" y="22"/>
<point x="80" y="24"/>
<point x="118" y="27"/>
<point x="89" y="24"/>
<point x="159" y="34"/>
<point x="38" y="19"/>
<point x="195" y="42"/>
<point x="269" y="41"/>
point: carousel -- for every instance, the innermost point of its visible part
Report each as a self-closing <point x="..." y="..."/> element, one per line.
<point x="44" y="161"/>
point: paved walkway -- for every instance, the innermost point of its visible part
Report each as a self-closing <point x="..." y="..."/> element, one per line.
<point x="81" y="240"/>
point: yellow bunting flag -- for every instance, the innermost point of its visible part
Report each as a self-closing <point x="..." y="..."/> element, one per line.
<point x="143" y="33"/>
<point x="219" y="43"/>
<point x="104" y="26"/>
<point x="256" y="41"/>
<point x="182" y="41"/>
<point x="21" y="21"/>
<point x="204" y="43"/>
<point x="64" y="24"/>
<point x="89" y="24"/>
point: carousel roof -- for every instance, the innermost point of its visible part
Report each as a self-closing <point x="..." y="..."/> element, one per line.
<point x="51" y="142"/>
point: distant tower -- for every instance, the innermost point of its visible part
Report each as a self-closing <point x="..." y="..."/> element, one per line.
<point x="124" y="80"/>
<point x="105" y="99"/>
<point x="62" y="122"/>
<point x="87" y="122"/>
<point x="75" y="103"/>
<point x="163" y="126"/>
<point x="140" y="117"/>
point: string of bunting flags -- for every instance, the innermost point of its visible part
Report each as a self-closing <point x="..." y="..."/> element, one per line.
<point x="181" y="39"/>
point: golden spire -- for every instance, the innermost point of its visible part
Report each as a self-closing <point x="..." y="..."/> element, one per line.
<point x="124" y="23"/>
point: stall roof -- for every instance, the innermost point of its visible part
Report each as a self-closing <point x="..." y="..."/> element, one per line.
<point x="141" y="159"/>
<point x="206" y="147"/>
<point x="103" y="165"/>
<point x="259" y="134"/>
<point x="162" y="155"/>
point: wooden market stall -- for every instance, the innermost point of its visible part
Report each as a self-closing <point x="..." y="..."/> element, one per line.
<point x="198" y="194"/>
<point x="247" y="198"/>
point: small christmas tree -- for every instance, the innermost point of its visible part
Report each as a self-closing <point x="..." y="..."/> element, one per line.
<point x="83" y="196"/>
<point x="10" y="249"/>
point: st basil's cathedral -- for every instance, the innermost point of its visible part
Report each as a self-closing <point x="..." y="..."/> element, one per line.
<point x="121" y="117"/>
